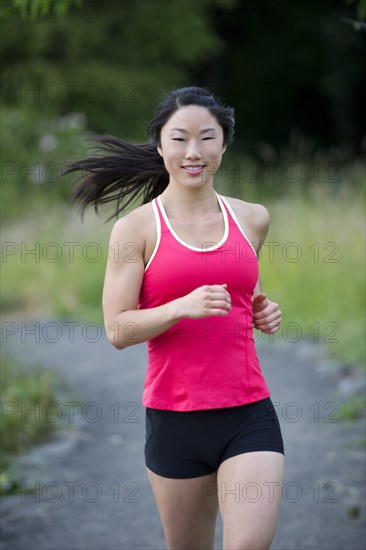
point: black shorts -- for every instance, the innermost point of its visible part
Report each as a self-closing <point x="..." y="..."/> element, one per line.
<point x="183" y="445"/>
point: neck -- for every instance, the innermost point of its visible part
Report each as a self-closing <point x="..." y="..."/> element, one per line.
<point x="180" y="202"/>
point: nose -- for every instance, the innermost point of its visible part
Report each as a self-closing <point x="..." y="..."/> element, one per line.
<point x="192" y="150"/>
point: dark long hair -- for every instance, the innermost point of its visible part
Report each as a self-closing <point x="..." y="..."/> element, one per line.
<point x="128" y="169"/>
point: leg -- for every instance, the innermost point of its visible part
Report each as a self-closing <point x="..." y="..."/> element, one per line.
<point x="249" y="492"/>
<point x="188" y="510"/>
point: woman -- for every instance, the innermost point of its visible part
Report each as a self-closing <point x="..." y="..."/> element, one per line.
<point x="182" y="274"/>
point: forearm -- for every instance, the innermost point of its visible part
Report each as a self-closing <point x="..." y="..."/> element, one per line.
<point x="136" y="326"/>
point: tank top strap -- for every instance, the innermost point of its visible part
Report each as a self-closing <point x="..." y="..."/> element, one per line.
<point x="158" y="209"/>
<point x="233" y="228"/>
<point x="158" y="212"/>
<point x="234" y="222"/>
<point x="228" y="209"/>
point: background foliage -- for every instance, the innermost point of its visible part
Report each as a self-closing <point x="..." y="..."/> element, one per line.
<point x="294" y="71"/>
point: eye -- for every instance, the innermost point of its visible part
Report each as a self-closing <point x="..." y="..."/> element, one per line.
<point x="177" y="139"/>
<point x="209" y="138"/>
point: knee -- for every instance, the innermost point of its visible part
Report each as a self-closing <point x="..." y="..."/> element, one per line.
<point x="206" y="544"/>
<point x="246" y="542"/>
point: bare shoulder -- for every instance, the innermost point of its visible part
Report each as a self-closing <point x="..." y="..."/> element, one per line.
<point x="132" y="233"/>
<point x="135" y="223"/>
<point x="254" y="214"/>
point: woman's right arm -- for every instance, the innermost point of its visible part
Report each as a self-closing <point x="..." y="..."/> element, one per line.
<point x="126" y="325"/>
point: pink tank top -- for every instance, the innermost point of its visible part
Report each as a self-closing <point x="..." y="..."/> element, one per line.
<point x="210" y="362"/>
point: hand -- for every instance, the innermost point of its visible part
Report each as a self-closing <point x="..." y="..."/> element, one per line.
<point x="205" y="301"/>
<point x="266" y="314"/>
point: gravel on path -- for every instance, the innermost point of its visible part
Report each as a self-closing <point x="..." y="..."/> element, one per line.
<point x="89" y="486"/>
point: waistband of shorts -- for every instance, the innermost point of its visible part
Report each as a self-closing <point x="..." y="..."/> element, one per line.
<point x="218" y="410"/>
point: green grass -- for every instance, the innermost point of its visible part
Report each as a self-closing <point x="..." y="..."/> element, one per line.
<point x="61" y="279"/>
<point x="28" y="414"/>
<point x="316" y="272"/>
<point x="353" y="409"/>
<point x="312" y="264"/>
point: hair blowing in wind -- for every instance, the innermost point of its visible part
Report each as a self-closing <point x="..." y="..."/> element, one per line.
<point x="121" y="172"/>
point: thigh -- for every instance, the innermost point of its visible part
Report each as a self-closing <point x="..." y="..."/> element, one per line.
<point x="181" y="445"/>
<point x="188" y="510"/>
<point x="249" y="495"/>
<point x="253" y="427"/>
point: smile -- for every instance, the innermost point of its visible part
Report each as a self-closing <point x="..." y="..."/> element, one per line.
<point x="194" y="169"/>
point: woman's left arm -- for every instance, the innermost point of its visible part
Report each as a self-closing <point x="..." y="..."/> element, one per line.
<point x="266" y="314"/>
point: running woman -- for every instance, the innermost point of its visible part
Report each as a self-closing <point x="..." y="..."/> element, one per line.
<point x="184" y="278"/>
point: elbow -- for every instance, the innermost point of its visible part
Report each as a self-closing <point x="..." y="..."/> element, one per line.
<point x="113" y="339"/>
<point x="120" y="335"/>
<point x="117" y="345"/>
<point x="120" y="347"/>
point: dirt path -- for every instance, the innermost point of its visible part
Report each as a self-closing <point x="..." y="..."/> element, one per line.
<point x="91" y="488"/>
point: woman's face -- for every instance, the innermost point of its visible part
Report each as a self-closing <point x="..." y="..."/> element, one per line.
<point x="192" y="146"/>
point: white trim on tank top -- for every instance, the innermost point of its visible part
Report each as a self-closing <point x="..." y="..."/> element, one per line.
<point x="229" y="207"/>
<point x="158" y="227"/>
<point x="158" y="231"/>
<point x="207" y="248"/>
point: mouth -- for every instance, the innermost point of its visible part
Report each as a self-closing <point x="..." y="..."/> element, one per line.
<point x="194" y="168"/>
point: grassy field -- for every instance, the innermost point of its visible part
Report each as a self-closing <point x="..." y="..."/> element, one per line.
<point x="29" y="413"/>
<point x="312" y="264"/>
<point x="54" y="265"/>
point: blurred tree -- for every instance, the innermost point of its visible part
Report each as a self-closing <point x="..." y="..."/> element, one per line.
<point x="360" y="8"/>
<point x="109" y="60"/>
<point x="290" y="65"/>
<point x="35" y="8"/>
<point x="283" y="65"/>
